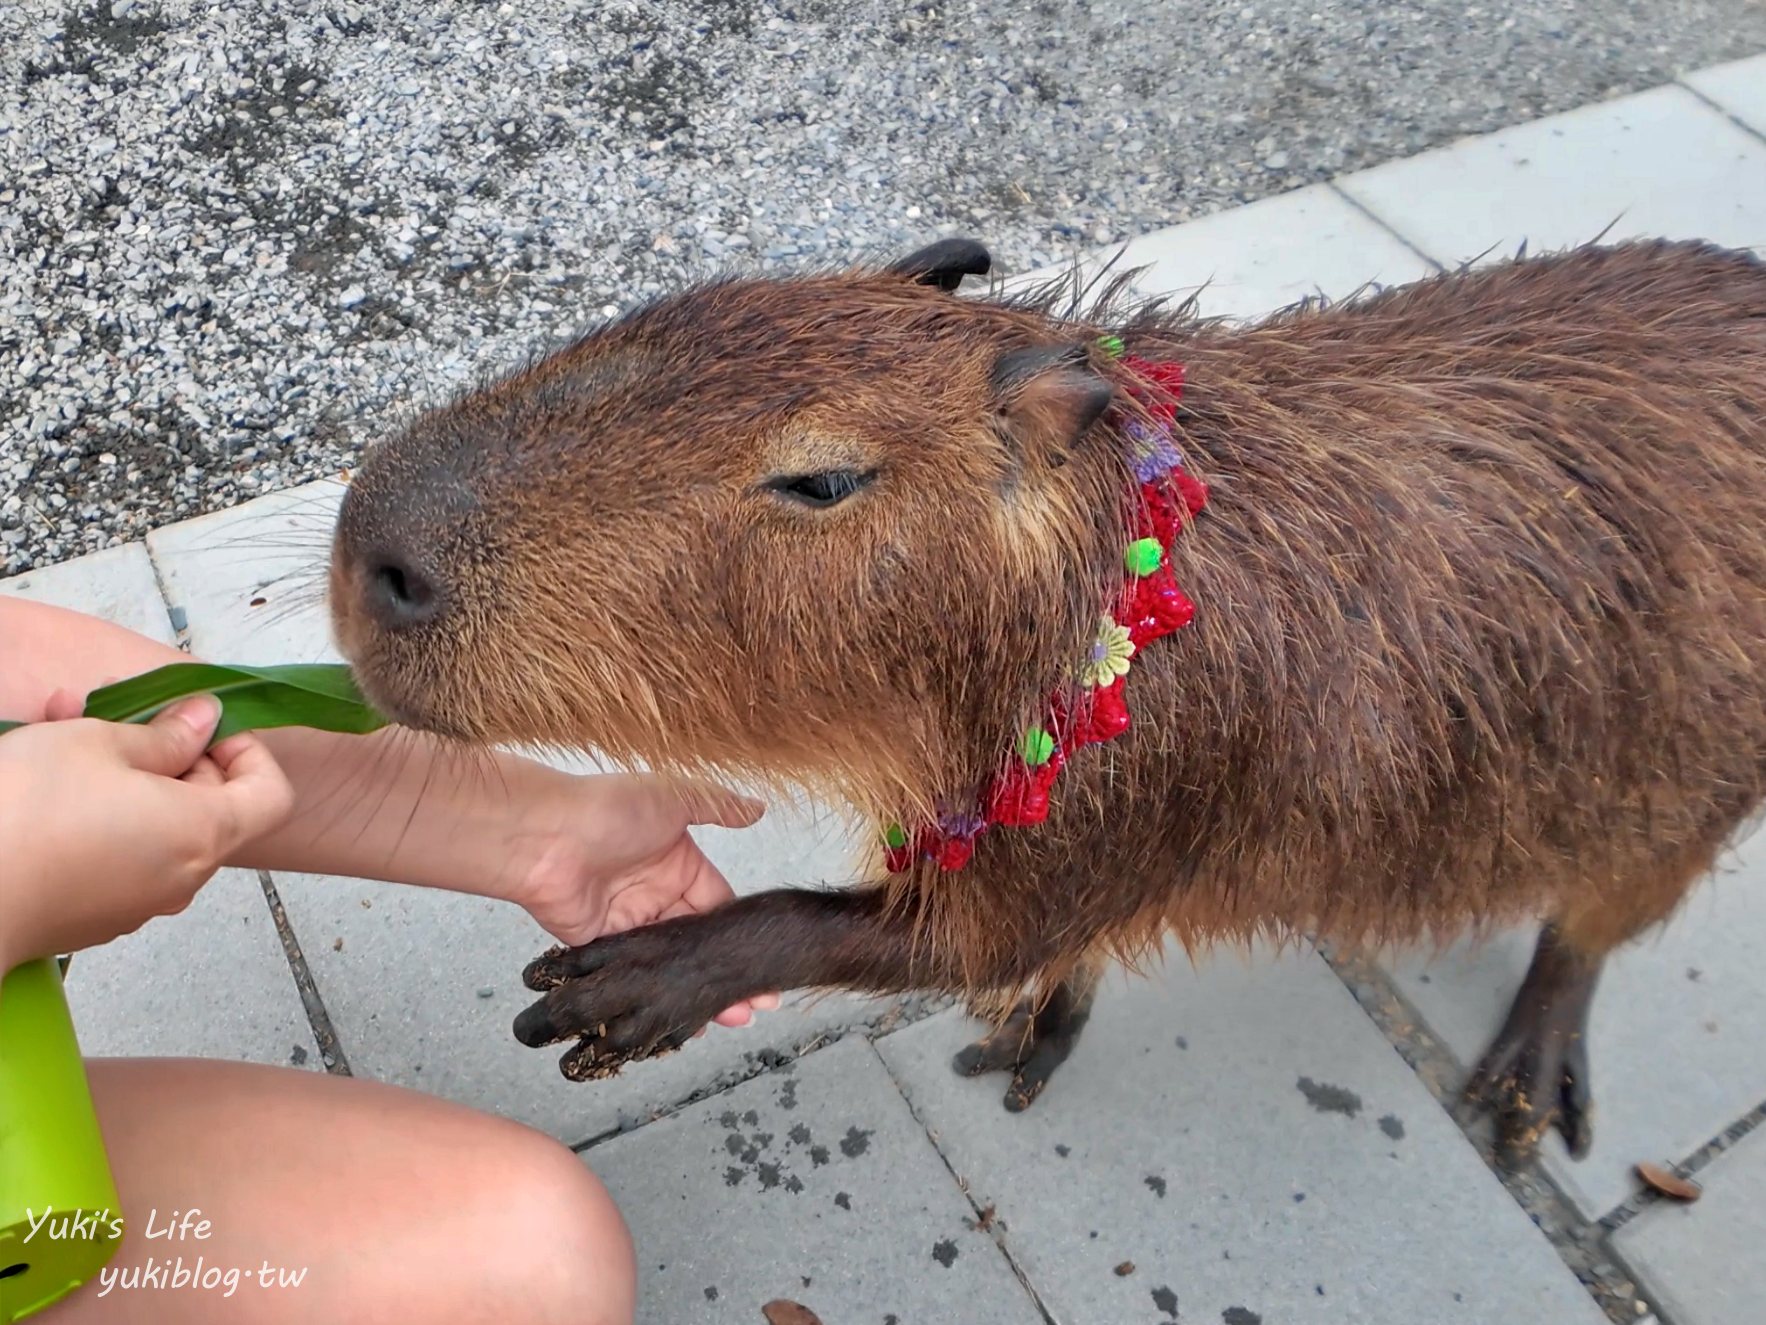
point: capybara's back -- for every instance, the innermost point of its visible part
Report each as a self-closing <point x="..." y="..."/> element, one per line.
<point x="1387" y="620"/>
<point x="1482" y="596"/>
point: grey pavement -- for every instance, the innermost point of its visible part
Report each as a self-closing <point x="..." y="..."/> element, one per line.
<point x="1622" y="168"/>
<point x="1246" y="1139"/>
<point x="1702" y="1262"/>
<point x="815" y="1184"/>
<point x="1237" y="1141"/>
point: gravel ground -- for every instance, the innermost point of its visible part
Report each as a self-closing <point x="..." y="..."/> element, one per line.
<point x="237" y="239"/>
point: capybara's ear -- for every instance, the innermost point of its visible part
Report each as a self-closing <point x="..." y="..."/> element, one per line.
<point x="945" y="263"/>
<point x="1049" y="395"/>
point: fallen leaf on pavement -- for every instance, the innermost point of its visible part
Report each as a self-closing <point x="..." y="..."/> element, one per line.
<point x="1669" y="1183"/>
<point x="781" y="1312"/>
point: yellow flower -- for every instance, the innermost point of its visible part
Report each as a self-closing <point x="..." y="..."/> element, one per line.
<point x="1110" y="653"/>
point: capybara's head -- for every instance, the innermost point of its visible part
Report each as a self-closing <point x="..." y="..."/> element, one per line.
<point x="834" y="529"/>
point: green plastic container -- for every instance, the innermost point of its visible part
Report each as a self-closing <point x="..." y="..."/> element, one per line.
<point x="51" y="1152"/>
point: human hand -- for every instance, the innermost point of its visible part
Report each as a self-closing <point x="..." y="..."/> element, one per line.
<point x="108" y="825"/>
<point x="612" y="852"/>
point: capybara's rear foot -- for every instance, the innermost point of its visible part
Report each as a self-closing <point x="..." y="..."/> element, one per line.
<point x="1535" y="1075"/>
<point x="1033" y="1041"/>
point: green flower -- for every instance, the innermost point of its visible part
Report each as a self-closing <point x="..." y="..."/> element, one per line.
<point x="1037" y="747"/>
<point x="1143" y="556"/>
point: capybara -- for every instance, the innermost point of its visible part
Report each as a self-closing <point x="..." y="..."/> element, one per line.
<point x="1477" y="569"/>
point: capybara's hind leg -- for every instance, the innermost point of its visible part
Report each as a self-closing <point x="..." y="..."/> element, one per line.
<point x="1535" y="1074"/>
<point x="1035" y="1039"/>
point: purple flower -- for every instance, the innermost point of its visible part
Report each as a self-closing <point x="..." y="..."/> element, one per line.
<point x="1153" y="451"/>
<point x="960" y="824"/>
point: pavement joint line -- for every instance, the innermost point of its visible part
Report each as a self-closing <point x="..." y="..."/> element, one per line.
<point x="986" y="1220"/>
<point x="902" y="1012"/>
<point x="1335" y="185"/>
<point x="1581" y="1243"/>
<point x="1700" y="1159"/>
<point x="318" y="1018"/>
<point x="1720" y="108"/>
<point x="180" y="634"/>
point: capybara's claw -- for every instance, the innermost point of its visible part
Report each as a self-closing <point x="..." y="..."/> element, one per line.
<point x="535" y="1027"/>
<point x="543" y="972"/>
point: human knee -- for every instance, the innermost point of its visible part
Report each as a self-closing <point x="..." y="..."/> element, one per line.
<point x="562" y="1238"/>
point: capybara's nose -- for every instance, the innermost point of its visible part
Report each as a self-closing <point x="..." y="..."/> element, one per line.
<point x="388" y="567"/>
<point x="399" y="593"/>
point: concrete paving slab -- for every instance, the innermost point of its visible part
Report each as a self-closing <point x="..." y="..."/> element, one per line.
<point x="1659" y="163"/>
<point x="251" y="579"/>
<point x="1253" y="260"/>
<point x="1739" y="87"/>
<point x="1249" y="261"/>
<point x="1237" y="1143"/>
<point x="1701" y="1262"/>
<point x="212" y="982"/>
<point x="815" y="1185"/>
<point x="404" y="988"/>
<point x="116" y="584"/>
<point x="1674" y="1046"/>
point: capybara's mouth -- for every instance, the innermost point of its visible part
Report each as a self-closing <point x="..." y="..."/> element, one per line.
<point x="403" y="714"/>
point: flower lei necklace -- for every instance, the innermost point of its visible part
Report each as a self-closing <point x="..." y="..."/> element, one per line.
<point x="1149" y="606"/>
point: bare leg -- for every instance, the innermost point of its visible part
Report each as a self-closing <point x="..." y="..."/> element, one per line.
<point x="396" y="1205"/>
<point x="1535" y="1075"/>
<point x="1035" y="1039"/>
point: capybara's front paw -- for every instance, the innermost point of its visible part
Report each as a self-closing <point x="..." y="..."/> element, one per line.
<point x="621" y="998"/>
<point x="1016" y="1049"/>
<point x="1033" y="1042"/>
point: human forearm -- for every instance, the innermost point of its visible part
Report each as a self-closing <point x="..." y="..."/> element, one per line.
<point x="395" y="805"/>
<point x="581" y="854"/>
<point x="402" y="806"/>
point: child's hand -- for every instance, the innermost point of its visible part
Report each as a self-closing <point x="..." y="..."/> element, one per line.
<point x="613" y="852"/>
<point x="106" y="825"/>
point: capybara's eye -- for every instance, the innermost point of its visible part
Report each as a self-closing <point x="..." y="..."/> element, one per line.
<point x="824" y="489"/>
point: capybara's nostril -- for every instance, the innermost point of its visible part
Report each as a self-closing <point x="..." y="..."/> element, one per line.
<point x="400" y="595"/>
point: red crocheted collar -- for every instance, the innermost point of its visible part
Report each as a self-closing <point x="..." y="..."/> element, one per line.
<point x="1146" y="607"/>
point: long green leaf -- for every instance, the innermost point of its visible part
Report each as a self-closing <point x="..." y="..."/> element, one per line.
<point x="318" y="695"/>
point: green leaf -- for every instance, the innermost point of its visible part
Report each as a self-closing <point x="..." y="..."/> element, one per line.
<point x="317" y="695"/>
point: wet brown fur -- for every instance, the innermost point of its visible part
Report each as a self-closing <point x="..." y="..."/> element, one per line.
<point x="1481" y="598"/>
